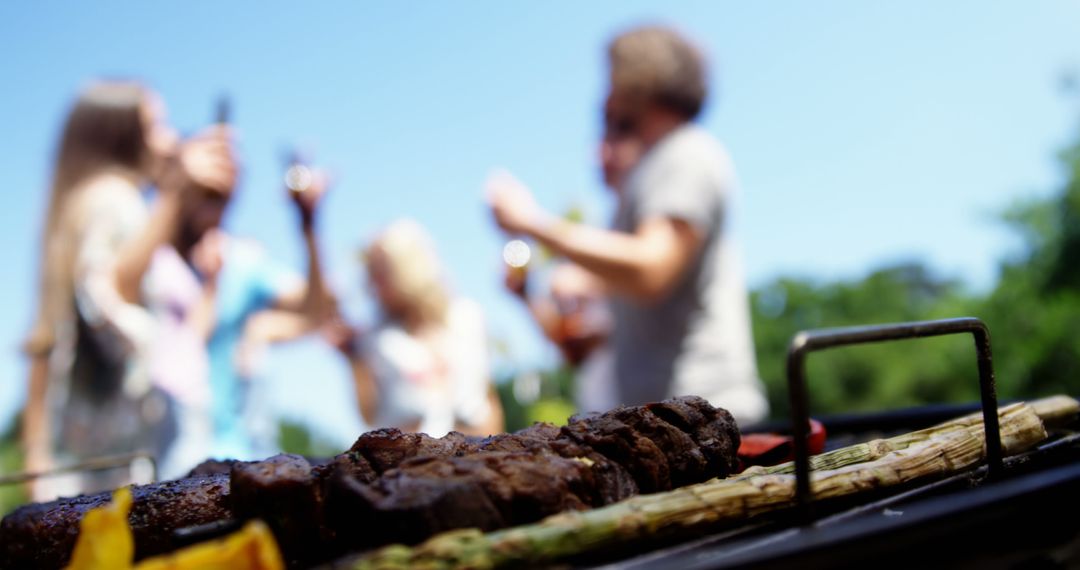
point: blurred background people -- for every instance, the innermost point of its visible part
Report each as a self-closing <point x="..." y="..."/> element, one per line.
<point x="680" y="306"/>
<point x="90" y="393"/>
<point x="251" y="360"/>
<point x="574" y="315"/>
<point x="209" y="289"/>
<point x="424" y="366"/>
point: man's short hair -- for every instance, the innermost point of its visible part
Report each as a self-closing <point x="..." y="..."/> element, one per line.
<point x="659" y="65"/>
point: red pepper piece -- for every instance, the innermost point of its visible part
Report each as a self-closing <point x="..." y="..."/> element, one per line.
<point x="773" y="448"/>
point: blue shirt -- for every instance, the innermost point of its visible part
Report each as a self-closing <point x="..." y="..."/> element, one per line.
<point x="249" y="281"/>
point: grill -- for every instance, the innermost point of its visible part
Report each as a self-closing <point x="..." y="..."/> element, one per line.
<point x="1002" y="514"/>
<point x="1008" y="513"/>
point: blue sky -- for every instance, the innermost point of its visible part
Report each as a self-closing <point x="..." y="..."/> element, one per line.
<point x="862" y="133"/>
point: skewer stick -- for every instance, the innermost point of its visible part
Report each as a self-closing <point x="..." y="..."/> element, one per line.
<point x="95" y="464"/>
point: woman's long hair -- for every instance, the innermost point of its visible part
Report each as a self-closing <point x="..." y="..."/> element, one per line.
<point x="104" y="132"/>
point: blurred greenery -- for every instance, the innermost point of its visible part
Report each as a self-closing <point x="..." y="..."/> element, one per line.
<point x="1033" y="313"/>
<point x="11" y="496"/>
<point x="871" y="377"/>
<point x="548" y="399"/>
<point x="296" y="437"/>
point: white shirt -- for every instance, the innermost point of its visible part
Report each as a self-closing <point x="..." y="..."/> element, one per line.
<point x="433" y="383"/>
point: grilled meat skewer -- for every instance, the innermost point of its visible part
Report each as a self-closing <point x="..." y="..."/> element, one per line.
<point x="392" y="486"/>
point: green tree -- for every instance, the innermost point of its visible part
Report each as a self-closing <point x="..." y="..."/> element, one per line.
<point x="872" y="377"/>
<point x="297" y="437"/>
<point x="11" y="461"/>
<point x="1033" y="314"/>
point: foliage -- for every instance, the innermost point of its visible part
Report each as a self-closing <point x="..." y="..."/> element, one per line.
<point x="1035" y="310"/>
<point x="11" y="461"/>
<point x="550" y="400"/>
<point x="1033" y="314"/>
<point x="297" y="437"/>
<point x="868" y="377"/>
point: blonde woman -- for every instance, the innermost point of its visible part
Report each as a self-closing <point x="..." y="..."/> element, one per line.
<point x="424" y="366"/>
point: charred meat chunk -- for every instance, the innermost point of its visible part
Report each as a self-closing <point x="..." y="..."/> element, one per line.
<point x="485" y="490"/>
<point x="713" y="429"/>
<point x="387" y="448"/>
<point x="42" y="535"/>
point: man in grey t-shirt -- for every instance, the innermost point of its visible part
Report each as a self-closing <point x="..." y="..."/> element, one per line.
<point x="682" y="323"/>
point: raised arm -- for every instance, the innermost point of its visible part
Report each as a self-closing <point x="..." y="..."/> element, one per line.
<point x="542" y="309"/>
<point x="207" y="257"/>
<point x="314" y="300"/>
<point x="36" y="423"/>
<point x="344" y="338"/>
<point x="206" y="161"/>
<point x="643" y="265"/>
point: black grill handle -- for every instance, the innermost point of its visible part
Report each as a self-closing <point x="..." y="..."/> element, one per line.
<point x="806" y="342"/>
